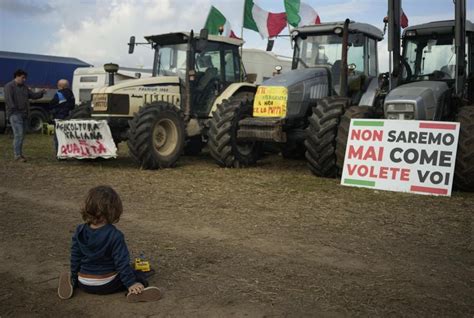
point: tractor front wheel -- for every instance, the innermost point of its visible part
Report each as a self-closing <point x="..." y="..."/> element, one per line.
<point x="83" y="111"/>
<point x="464" y="171"/>
<point x="223" y="144"/>
<point x="156" y="136"/>
<point x="321" y="136"/>
<point x="343" y="131"/>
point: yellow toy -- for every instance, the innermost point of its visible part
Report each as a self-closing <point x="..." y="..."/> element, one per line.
<point x="142" y="265"/>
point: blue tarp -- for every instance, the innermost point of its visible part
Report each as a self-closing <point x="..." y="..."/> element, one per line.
<point x="43" y="70"/>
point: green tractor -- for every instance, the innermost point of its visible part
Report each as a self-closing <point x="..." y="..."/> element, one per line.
<point x="166" y="115"/>
<point x="334" y="66"/>
<point x="432" y="79"/>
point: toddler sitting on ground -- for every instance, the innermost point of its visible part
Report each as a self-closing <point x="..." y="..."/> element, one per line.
<point x="100" y="261"/>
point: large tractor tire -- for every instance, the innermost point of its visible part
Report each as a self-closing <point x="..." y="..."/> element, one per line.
<point x="37" y="118"/>
<point x="83" y="111"/>
<point x="343" y="131"/>
<point x="321" y="136"/>
<point x="223" y="144"/>
<point x="156" y="136"/>
<point x="464" y="171"/>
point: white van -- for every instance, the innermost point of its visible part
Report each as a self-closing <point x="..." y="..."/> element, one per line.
<point x="87" y="78"/>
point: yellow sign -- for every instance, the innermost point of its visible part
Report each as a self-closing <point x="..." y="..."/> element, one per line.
<point x="270" y="101"/>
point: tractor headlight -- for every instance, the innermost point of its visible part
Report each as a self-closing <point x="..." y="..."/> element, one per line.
<point x="402" y="111"/>
<point x="99" y="102"/>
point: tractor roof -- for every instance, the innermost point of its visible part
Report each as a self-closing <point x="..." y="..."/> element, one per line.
<point x="182" y="37"/>
<point x="439" y="27"/>
<point x="354" y="27"/>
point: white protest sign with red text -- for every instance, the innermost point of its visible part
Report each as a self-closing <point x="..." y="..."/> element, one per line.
<point x="84" y="139"/>
<point x="401" y="155"/>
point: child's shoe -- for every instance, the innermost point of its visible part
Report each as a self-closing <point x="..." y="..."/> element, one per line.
<point x="148" y="294"/>
<point x="65" y="288"/>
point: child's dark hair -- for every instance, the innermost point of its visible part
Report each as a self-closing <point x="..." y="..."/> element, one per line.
<point x="19" y="72"/>
<point x="102" y="204"/>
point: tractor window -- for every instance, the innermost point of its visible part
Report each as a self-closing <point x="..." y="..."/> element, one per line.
<point x="373" y="65"/>
<point x="231" y="67"/>
<point x="427" y="55"/>
<point x="208" y="60"/>
<point x="327" y="50"/>
<point x="172" y="60"/>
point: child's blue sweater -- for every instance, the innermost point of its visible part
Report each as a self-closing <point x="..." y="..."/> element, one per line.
<point x="100" y="251"/>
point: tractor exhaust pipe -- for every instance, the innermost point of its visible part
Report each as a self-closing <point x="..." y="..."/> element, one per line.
<point x="111" y="69"/>
<point x="394" y="35"/>
<point x="188" y="79"/>
<point x="345" y="68"/>
<point x="460" y="43"/>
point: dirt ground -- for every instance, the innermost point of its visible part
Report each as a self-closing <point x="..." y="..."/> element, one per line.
<point x="269" y="241"/>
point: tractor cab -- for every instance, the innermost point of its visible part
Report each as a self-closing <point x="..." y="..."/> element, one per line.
<point x="428" y="77"/>
<point x="213" y="63"/>
<point x="323" y="46"/>
<point x="429" y="52"/>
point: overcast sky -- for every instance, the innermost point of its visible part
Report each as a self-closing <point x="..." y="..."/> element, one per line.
<point x="97" y="31"/>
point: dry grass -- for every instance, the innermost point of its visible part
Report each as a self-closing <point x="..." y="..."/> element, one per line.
<point x="268" y="240"/>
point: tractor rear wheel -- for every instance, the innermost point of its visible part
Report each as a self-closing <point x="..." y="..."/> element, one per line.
<point x="464" y="171"/>
<point x="83" y="111"/>
<point x="156" y="136"/>
<point x="321" y="136"/>
<point x="223" y="144"/>
<point x="343" y="131"/>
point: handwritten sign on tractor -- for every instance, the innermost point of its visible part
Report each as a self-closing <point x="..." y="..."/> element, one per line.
<point x="84" y="139"/>
<point x="270" y="101"/>
<point x="405" y="156"/>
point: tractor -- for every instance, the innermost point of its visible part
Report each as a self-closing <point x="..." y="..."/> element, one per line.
<point x="333" y="64"/>
<point x="166" y="115"/>
<point x="432" y="79"/>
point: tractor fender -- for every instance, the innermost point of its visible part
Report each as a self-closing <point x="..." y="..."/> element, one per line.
<point x="231" y="91"/>
<point x="369" y="96"/>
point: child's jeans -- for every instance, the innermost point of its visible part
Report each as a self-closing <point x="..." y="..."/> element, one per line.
<point x="114" y="286"/>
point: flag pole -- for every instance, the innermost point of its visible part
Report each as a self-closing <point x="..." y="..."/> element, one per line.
<point x="242" y="30"/>
<point x="289" y="32"/>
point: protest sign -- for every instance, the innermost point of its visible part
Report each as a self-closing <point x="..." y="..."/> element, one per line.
<point x="399" y="155"/>
<point x="270" y="101"/>
<point x="84" y="139"/>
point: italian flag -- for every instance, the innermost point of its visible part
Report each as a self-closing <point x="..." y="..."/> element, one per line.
<point x="216" y="20"/>
<point x="300" y="13"/>
<point x="266" y="23"/>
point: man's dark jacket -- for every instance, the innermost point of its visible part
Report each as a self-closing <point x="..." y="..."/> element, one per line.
<point x="62" y="103"/>
<point x="17" y="98"/>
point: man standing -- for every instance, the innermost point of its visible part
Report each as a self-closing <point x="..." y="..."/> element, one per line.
<point x="17" y="96"/>
<point x="61" y="105"/>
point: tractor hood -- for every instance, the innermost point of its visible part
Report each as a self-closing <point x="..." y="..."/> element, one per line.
<point x="150" y="83"/>
<point x="293" y="77"/>
<point x="304" y="87"/>
<point x="417" y="100"/>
